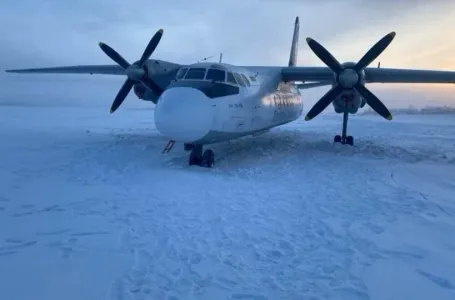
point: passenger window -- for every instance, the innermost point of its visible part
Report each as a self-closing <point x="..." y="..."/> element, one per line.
<point x="181" y="73"/>
<point x="245" y="79"/>
<point x="195" y="73"/>
<point x="230" y="78"/>
<point x="239" y="79"/>
<point x="253" y="78"/>
<point x="215" y="75"/>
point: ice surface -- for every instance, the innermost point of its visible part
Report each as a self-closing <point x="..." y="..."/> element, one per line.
<point x="91" y="209"/>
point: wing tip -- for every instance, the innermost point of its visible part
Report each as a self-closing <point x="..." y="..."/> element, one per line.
<point x="390" y="117"/>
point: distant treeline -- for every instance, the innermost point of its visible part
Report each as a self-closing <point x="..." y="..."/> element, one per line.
<point x="411" y="110"/>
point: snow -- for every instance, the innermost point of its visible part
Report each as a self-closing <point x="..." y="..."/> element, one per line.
<point x="91" y="209"/>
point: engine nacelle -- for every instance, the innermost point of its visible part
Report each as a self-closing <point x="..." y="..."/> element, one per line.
<point x="162" y="73"/>
<point x="144" y="93"/>
<point x="349" y="100"/>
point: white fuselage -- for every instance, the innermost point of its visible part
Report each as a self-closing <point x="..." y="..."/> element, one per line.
<point x="185" y="114"/>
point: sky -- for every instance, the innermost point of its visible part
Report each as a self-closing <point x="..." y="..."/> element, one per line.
<point x="249" y="32"/>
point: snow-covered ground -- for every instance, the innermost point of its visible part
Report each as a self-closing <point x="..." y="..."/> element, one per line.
<point x="90" y="209"/>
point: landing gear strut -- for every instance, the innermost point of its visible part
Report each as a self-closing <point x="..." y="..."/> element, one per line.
<point x="344" y="139"/>
<point x="206" y="159"/>
<point x="188" y="147"/>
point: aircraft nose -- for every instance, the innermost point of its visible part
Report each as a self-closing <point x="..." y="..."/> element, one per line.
<point x="184" y="114"/>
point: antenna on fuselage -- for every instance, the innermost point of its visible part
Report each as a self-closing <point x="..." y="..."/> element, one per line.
<point x="207" y="58"/>
<point x="204" y="59"/>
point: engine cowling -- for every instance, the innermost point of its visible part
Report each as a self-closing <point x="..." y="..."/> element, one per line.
<point x="144" y="93"/>
<point x="162" y="73"/>
<point x="349" y="100"/>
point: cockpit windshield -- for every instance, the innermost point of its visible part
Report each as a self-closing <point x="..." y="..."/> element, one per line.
<point x="195" y="73"/>
<point x="181" y="73"/>
<point x="215" y="73"/>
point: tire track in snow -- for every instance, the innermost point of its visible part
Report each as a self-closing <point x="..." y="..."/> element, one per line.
<point x="424" y="197"/>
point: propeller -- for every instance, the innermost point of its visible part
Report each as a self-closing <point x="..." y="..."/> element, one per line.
<point x="350" y="77"/>
<point x="136" y="72"/>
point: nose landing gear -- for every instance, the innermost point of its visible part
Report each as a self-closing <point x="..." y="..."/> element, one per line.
<point x="198" y="158"/>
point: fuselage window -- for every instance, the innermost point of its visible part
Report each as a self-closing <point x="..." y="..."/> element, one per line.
<point x="195" y="73"/>
<point x="239" y="79"/>
<point x="230" y="78"/>
<point x="245" y="79"/>
<point x="216" y="75"/>
<point x="181" y="73"/>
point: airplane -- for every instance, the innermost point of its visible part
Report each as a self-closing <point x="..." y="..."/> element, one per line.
<point x="205" y="103"/>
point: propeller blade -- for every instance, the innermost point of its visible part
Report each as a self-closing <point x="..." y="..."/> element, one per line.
<point x="126" y="88"/>
<point x="151" y="46"/>
<point x="152" y="85"/>
<point x="114" y="55"/>
<point x="324" y="55"/>
<point x="374" y="102"/>
<point x="323" y="102"/>
<point x="375" y="51"/>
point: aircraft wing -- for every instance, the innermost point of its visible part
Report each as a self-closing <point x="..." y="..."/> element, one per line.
<point x="87" y="69"/>
<point x="408" y="76"/>
<point x="372" y="75"/>
<point x="306" y="74"/>
<point x="310" y="85"/>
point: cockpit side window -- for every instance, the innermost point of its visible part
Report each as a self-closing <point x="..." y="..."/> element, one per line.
<point x="230" y="78"/>
<point x="195" y="73"/>
<point x="246" y="80"/>
<point x="239" y="79"/>
<point x="215" y="75"/>
<point x="181" y="73"/>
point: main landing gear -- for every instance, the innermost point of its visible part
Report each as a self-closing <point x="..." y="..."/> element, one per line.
<point x="344" y="139"/>
<point x="206" y="159"/>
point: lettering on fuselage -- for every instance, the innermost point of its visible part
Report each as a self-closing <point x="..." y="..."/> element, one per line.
<point x="235" y="105"/>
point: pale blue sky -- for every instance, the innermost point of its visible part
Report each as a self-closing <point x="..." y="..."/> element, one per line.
<point x="54" y="32"/>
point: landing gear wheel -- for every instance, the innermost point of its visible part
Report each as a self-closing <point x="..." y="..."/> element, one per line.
<point x="349" y="140"/>
<point x="203" y="160"/>
<point x="195" y="156"/>
<point x="337" y="139"/>
<point x="208" y="158"/>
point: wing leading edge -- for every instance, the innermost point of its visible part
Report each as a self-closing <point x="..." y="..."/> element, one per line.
<point x="87" y="69"/>
<point x="372" y="75"/>
<point x="386" y="75"/>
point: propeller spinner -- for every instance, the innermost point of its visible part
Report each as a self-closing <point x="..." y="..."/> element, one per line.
<point x="350" y="77"/>
<point x="135" y="72"/>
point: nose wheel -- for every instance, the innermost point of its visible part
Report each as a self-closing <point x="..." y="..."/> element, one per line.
<point x="349" y="140"/>
<point x="202" y="159"/>
<point x="344" y="138"/>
